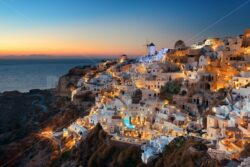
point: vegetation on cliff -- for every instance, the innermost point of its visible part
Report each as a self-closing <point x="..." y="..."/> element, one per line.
<point x="169" y="89"/>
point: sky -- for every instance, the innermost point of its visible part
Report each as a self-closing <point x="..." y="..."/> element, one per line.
<point x="114" y="27"/>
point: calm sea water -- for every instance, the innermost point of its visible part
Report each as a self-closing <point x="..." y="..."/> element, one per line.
<point x="23" y="75"/>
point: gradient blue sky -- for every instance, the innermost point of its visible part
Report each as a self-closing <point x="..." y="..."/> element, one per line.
<point x="111" y="27"/>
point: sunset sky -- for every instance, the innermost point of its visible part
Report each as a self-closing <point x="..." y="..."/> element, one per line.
<point x="113" y="27"/>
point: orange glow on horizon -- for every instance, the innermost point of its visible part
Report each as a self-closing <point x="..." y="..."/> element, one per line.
<point x="67" y="41"/>
<point x="66" y="50"/>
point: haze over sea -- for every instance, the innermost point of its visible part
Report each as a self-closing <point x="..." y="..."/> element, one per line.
<point x="26" y="74"/>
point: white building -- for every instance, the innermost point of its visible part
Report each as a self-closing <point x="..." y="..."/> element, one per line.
<point x="154" y="147"/>
<point x="239" y="81"/>
<point x="203" y="61"/>
<point x="78" y="129"/>
<point x="242" y="92"/>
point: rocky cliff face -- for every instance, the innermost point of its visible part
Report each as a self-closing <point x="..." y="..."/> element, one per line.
<point x="185" y="152"/>
<point x="65" y="84"/>
<point x="23" y="116"/>
<point x="23" y="113"/>
<point x="69" y="81"/>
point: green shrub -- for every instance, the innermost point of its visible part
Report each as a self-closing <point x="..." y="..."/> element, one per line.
<point x="169" y="89"/>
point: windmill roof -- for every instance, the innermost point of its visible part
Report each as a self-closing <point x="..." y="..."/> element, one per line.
<point x="151" y="44"/>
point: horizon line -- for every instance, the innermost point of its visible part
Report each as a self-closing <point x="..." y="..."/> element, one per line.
<point x="38" y="56"/>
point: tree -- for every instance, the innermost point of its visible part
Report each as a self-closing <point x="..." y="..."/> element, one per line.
<point x="169" y="89"/>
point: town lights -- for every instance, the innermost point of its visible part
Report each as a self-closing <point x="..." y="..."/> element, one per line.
<point x="70" y="144"/>
<point x="65" y="133"/>
<point x="150" y="116"/>
<point x="166" y="102"/>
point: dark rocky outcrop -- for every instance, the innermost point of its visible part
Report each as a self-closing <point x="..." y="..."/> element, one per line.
<point x="185" y="152"/>
<point x="23" y="116"/>
<point x="69" y="81"/>
<point x="23" y="113"/>
<point x="246" y="151"/>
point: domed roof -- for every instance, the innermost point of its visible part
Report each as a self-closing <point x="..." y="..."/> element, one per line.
<point x="151" y="44"/>
<point x="124" y="57"/>
<point x="179" y="44"/>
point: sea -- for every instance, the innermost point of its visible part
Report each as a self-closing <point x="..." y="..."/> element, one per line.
<point x="26" y="74"/>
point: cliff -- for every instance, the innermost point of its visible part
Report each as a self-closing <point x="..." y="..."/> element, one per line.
<point x="69" y="81"/>
<point x="185" y="152"/>
<point x="23" y="116"/>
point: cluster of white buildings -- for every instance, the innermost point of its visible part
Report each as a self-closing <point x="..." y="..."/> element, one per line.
<point x="229" y="126"/>
<point x="154" y="147"/>
<point x="128" y="103"/>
